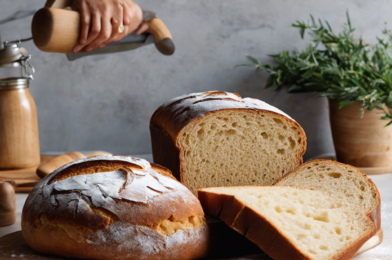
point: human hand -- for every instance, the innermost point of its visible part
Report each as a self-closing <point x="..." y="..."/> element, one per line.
<point x="101" y="20"/>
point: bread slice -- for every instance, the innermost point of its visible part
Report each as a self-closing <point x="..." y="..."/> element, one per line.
<point x="289" y="222"/>
<point x="339" y="182"/>
<point x="217" y="138"/>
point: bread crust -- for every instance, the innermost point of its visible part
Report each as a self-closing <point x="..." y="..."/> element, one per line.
<point x="170" y="119"/>
<point x="374" y="213"/>
<point x="56" y="241"/>
<point x="260" y="231"/>
<point x="164" y="150"/>
<point x="222" y="206"/>
<point x="64" y="216"/>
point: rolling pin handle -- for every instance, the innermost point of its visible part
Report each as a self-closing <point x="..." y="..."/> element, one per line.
<point x="162" y="36"/>
<point x="165" y="46"/>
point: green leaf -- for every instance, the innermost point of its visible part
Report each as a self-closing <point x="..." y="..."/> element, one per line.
<point x="254" y="60"/>
<point x="390" y="122"/>
<point x="308" y="74"/>
<point x="359" y="86"/>
<point x="313" y="22"/>
<point x="344" y="103"/>
<point x="348" y="20"/>
<point x="388" y="101"/>
<point x="329" y="26"/>
<point x="247" y="65"/>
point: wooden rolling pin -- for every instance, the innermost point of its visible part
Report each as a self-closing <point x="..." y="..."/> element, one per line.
<point x="49" y="166"/>
<point x="57" y="30"/>
<point x="7" y="204"/>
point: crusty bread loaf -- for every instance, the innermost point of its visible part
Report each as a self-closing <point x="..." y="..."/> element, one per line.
<point x="113" y="207"/>
<point x="219" y="139"/>
<point x="339" y="182"/>
<point x="289" y="222"/>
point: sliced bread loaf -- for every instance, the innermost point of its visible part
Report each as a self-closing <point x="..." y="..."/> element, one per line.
<point x="289" y="222"/>
<point x="219" y="139"/>
<point x="339" y="182"/>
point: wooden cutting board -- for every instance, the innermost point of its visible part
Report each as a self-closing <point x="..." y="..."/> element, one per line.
<point x="13" y="246"/>
<point x="23" y="179"/>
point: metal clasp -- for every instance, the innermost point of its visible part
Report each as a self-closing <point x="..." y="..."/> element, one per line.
<point x="27" y="67"/>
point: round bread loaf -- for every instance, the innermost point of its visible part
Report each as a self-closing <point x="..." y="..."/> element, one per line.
<point x="114" y="207"/>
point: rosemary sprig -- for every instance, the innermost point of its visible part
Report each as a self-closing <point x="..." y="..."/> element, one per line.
<point x="338" y="66"/>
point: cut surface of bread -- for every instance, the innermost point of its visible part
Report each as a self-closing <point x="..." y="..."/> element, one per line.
<point x="289" y="222"/>
<point x="339" y="182"/>
<point x="224" y="140"/>
<point x="238" y="148"/>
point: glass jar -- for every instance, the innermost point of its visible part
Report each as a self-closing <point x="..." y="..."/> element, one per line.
<point x="19" y="142"/>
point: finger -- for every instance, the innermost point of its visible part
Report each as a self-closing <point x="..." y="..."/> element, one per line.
<point x="142" y="28"/>
<point x="103" y="36"/>
<point x="137" y="18"/>
<point x="85" y="17"/>
<point x="94" y="32"/>
<point x="127" y="14"/>
<point x="116" y="23"/>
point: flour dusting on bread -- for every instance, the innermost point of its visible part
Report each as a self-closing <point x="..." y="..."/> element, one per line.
<point x="136" y="209"/>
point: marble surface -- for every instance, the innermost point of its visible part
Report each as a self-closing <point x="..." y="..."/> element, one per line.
<point x="381" y="252"/>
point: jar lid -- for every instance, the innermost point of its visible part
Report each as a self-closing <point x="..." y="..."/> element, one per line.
<point x="11" y="53"/>
<point x="13" y="83"/>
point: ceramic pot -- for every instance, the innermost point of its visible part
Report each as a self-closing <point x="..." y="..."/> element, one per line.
<point x="361" y="142"/>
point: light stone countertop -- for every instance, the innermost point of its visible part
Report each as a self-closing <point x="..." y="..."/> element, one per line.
<point x="384" y="250"/>
<point x="381" y="252"/>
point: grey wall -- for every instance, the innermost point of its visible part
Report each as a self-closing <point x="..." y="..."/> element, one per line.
<point x="105" y="102"/>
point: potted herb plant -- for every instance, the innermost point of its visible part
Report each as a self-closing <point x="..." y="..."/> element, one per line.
<point x="357" y="80"/>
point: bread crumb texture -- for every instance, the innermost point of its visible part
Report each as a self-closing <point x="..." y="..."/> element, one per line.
<point x="229" y="148"/>
<point x="338" y="181"/>
<point x="127" y="209"/>
<point x="319" y="226"/>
